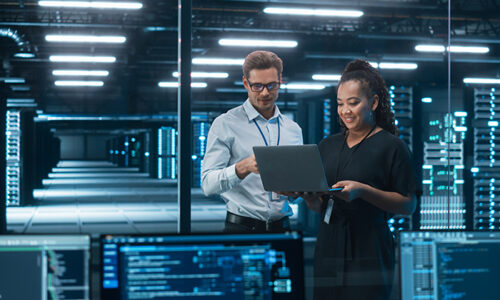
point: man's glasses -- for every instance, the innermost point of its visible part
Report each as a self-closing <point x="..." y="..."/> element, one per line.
<point x="259" y="87"/>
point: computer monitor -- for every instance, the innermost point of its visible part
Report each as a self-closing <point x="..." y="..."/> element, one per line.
<point x="450" y="265"/>
<point x="214" y="266"/>
<point x="41" y="267"/>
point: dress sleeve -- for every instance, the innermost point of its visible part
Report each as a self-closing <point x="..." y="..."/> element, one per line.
<point x="403" y="176"/>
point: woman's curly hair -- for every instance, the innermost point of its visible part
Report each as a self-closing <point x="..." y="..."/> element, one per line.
<point x="371" y="84"/>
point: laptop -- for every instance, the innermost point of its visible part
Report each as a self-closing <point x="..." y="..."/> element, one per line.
<point x="291" y="168"/>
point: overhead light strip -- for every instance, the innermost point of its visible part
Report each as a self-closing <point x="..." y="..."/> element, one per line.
<point x="218" y="61"/>
<point x="397" y="66"/>
<point x="108" y="39"/>
<point x="481" y="80"/>
<point x="92" y="4"/>
<point x="175" y="84"/>
<point x="328" y="77"/>
<point x="12" y="80"/>
<point x="82" y="58"/>
<point x="96" y="83"/>
<point x="205" y="74"/>
<point x="95" y="73"/>
<point x="313" y="12"/>
<point x="302" y="86"/>
<point x="453" y="49"/>
<point x="258" y="43"/>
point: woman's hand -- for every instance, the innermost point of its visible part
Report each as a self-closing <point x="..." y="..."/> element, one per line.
<point x="350" y="190"/>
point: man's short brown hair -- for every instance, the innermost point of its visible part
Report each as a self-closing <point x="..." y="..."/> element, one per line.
<point x="262" y="60"/>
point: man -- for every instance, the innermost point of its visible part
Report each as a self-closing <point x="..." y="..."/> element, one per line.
<point x="229" y="166"/>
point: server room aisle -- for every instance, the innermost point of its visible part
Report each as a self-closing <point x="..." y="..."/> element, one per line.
<point x="99" y="197"/>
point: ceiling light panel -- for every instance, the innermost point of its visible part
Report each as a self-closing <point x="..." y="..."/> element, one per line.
<point x="397" y="66"/>
<point x="108" y="39"/>
<point x="482" y="80"/>
<point x="313" y="12"/>
<point x="82" y="58"/>
<point x="94" y="83"/>
<point x="92" y="4"/>
<point x="175" y="84"/>
<point x="453" y="49"/>
<point x="205" y="74"/>
<point x="95" y="73"/>
<point x="218" y="61"/>
<point x="258" y="43"/>
<point x="328" y="77"/>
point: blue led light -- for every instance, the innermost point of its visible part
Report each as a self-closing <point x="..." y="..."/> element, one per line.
<point x="460" y="114"/>
<point x="132" y="140"/>
<point x="426" y="100"/>
<point x="493" y="123"/>
<point x="146" y="154"/>
<point x="194" y="157"/>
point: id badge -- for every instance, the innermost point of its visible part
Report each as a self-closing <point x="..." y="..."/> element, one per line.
<point x="275" y="196"/>
<point x="328" y="213"/>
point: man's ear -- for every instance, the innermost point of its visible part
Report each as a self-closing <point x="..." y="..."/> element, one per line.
<point x="245" y="83"/>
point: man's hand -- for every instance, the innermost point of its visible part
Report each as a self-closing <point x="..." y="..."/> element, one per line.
<point x="246" y="166"/>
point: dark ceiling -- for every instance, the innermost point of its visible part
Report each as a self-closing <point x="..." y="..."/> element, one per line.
<point x="388" y="31"/>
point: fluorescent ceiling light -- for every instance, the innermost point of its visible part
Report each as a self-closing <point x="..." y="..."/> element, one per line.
<point x="493" y="123"/>
<point x="313" y="12"/>
<point x="429" y="48"/>
<point x="400" y="66"/>
<point x="460" y="114"/>
<point x="95" y="73"/>
<point x="82" y="58"/>
<point x="302" y="86"/>
<point x="12" y="79"/>
<point x="454" y="49"/>
<point x="332" y="77"/>
<point x="426" y="100"/>
<point x="109" y="39"/>
<point x="20" y="100"/>
<point x="24" y="55"/>
<point x="78" y="83"/>
<point x="205" y="74"/>
<point x="469" y="49"/>
<point x="482" y="80"/>
<point x="218" y="61"/>
<point x="92" y="4"/>
<point x="20" y="88"/>
<point x="230" y="90"/>
<point x="257" y="43"/>
<point x="175" y="84"/>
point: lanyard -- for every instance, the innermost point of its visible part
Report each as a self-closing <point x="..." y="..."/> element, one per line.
<point x="349" y="158"/>
<point x="262" y="134"/>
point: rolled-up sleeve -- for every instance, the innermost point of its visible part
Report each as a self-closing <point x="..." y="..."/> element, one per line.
<point x="217" y="176"/>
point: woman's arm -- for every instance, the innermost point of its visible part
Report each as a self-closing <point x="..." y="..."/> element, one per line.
<point x="392" y="202"/>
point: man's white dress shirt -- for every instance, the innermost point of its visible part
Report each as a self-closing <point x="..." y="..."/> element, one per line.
<point x="230" y="140"/>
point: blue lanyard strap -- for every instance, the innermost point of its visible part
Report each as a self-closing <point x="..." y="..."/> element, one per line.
<point x="262" y="134"/>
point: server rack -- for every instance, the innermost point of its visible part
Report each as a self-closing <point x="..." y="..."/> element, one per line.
<point x="443" y="203"/>
<point x="401" y="99"/>
<point x="486" y="169"/>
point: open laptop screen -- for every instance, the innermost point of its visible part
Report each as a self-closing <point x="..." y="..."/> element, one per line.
<point x="222" y="266"/>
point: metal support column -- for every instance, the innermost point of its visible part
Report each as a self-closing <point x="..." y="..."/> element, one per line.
<point x="184" y="117"/>
<point x="3" y="198"/>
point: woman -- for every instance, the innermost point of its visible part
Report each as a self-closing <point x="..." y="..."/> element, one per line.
<point x="354" y="255"/>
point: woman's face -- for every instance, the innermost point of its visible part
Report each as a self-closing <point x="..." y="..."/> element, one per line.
<point x="354" y="108"/>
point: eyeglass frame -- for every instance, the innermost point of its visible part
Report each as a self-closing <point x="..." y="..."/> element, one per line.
<point x="251" y="85"/>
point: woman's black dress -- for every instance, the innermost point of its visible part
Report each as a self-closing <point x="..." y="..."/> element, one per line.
<point x="354" y="255"/>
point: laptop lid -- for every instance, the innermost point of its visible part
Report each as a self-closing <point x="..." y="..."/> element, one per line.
<point x="291" y="168"/>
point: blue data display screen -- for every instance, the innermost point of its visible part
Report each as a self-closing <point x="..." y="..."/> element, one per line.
<point x="222" y="270"/>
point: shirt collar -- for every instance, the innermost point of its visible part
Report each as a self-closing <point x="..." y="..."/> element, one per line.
<point x="252" y="113"/>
